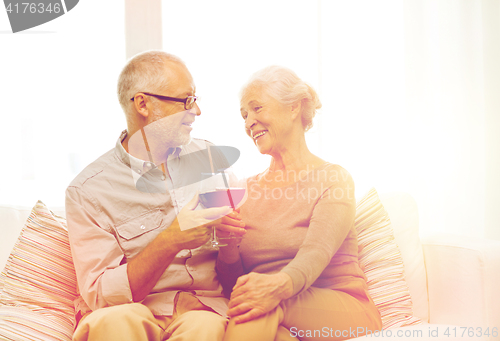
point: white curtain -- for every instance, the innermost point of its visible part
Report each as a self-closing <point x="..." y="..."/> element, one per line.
<point x="452" y="70"/>
<point x="404" y="86"/>
<point x="416" y="104"/>
<point x="409" y="90"/>
<point x="411" y="106"/>
<point x="417" y="86"/>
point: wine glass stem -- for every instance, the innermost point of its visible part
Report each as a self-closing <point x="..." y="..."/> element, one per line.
<point x="215" y="242"/>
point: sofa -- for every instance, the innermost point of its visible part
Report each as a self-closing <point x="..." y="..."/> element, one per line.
<point x="452" y="282"/>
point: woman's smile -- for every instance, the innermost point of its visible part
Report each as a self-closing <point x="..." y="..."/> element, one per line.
<point x="259" y="134"/>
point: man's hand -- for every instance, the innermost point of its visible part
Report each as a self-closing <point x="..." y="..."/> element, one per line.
<point x="191" y="228"/>
<point x="257" y="294"/>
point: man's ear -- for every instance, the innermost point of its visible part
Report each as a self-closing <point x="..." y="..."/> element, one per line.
<point x="296" y="109"/>
<point x="140" y="104"/>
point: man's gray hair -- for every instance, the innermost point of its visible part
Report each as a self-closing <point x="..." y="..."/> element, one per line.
<point x="285" y="86"/>
<point x="143" y="72"/>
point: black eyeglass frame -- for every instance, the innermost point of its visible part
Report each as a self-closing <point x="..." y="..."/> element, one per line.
<point x="175" y="99"/>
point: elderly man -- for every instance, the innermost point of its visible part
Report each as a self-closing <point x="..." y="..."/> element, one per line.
<point x="144" y="268"/>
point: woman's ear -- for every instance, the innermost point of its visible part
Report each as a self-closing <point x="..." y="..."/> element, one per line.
<point x="296" y="109"/>
<point x="140" y="104"/>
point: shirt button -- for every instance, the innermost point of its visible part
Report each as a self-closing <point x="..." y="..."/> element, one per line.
<point x="143" y="227"/>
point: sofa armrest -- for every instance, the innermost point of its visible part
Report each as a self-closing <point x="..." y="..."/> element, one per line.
<point x="463" y="274"/>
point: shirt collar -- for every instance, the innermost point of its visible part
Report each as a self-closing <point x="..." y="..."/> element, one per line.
<point x="175" y="152"/>
<point x="140" y="166"/>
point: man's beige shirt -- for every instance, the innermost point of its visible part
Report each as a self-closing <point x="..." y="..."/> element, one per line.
<point x="115" y="207"/>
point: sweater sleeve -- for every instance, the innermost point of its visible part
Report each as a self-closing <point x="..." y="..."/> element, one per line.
<point x="331" y="220"/>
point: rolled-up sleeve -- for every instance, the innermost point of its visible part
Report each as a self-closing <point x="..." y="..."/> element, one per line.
<point x="97" y="256"/>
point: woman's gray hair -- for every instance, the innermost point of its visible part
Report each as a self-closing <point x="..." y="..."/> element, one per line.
<point x="286" y="87"/>
<point x="143" y="72"/>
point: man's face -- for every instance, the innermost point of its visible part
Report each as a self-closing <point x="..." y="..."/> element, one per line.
<point x="169" y="124"/>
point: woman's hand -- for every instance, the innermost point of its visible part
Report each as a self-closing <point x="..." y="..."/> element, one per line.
<point x="257" y="294"/>
<point x="231" y="227"/>
<point x="230" y="230"/>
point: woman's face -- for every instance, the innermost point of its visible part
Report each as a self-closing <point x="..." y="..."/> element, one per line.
<point x="266" y="120"/>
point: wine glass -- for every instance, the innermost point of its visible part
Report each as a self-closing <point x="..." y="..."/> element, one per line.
<point x="216" y="192"/>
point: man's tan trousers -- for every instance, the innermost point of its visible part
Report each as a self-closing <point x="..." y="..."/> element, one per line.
<point x="191" y="321"/>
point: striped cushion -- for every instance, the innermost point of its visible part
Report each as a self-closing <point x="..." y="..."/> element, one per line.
<point x="38" y="284"/>
<point x="381" y="261"/>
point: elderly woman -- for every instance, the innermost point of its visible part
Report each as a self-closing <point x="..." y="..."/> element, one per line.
<point x="300" y="252"/>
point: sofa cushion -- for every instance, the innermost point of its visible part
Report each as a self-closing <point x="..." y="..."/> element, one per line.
<point x="463" y="276"/>
<point x="12" y="220"/>
<point x="38" y="283"/>
<point x="381" y="261"/>
<point x="403" y="211"/>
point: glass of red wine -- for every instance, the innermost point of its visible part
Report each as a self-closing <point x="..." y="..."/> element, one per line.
<point x="215" y="191"/>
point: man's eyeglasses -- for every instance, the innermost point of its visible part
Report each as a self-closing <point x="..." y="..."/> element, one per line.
<point x="188" y="101"/>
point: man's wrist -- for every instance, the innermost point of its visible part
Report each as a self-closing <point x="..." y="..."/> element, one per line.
<point x="170" y="243"/>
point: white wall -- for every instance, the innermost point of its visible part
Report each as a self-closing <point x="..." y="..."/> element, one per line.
<point x="59" y="106"/>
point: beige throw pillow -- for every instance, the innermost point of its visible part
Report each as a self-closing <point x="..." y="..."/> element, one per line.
<point x="380" y="259"/>
<point x="38" y="284"/>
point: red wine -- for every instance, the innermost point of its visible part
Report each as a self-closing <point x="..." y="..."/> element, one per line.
<point x="220" y="197"/>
